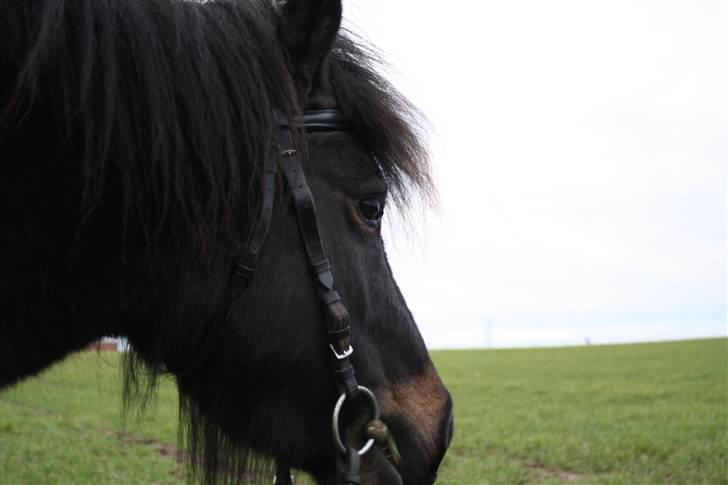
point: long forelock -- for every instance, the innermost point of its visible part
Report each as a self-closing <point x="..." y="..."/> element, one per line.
<point x="389" y="124"/>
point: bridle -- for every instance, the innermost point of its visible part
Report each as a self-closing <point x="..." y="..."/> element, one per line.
<point x="336" y="315"/>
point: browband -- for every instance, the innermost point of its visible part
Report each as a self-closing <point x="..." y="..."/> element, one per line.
<point x="318" y="120"/>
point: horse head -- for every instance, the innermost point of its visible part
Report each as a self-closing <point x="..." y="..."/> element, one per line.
<point x="160" y="151"/>
<point x="272" y="372"/>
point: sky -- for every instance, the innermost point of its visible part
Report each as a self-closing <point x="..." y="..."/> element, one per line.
<point x="579" y="150"/>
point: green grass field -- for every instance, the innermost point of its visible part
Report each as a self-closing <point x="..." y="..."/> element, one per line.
<point x="633" y="414"/>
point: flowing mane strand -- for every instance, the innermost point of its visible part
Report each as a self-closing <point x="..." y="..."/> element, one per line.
<point x="167" y="104"/>
<point x="389" y="124"/>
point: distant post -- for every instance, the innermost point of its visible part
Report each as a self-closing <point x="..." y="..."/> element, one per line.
<point x="489" y="333"/>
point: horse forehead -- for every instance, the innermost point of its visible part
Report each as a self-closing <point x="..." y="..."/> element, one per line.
<point x="338" y="155"/>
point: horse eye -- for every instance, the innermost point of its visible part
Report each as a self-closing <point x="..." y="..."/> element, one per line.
<point x="371" y="209"/>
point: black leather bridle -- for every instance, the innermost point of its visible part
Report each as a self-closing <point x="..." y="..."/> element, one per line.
<point x="336" y="315"/>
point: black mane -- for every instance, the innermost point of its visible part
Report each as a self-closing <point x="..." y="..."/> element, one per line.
<point x="142" y="82"/>
<point x="167" y="106"/>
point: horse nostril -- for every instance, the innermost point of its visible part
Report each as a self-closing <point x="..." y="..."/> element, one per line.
<point x="450" y="430"/>
<point x="447" y="425"/>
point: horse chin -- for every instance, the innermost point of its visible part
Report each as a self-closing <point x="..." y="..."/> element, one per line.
<point x="375" y="470"/>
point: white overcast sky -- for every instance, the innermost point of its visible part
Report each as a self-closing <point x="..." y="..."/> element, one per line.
<point x="579" y="149"/>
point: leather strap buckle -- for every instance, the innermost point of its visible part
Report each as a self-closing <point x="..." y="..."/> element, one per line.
<point x="343" y="354"/>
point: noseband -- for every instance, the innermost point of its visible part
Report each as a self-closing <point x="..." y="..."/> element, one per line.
<point x="289" y="163"/>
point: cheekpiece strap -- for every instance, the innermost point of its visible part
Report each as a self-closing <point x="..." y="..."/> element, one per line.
<point x="348" y="463"/>
<point x="247" y="263"/>
<point x="303" y="201"/>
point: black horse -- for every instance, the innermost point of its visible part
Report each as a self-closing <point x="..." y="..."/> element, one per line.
<point x="133" y="140"/>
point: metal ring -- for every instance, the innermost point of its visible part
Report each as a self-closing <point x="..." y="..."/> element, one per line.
<point x="335" y="420"/>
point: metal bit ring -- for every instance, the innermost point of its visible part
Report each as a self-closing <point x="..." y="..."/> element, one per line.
<point x="335" y="420"/>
